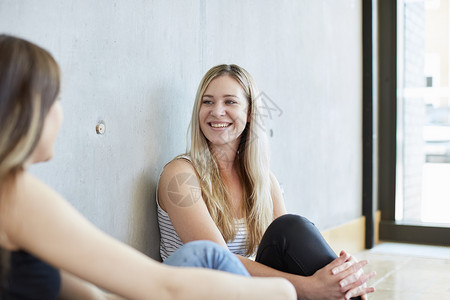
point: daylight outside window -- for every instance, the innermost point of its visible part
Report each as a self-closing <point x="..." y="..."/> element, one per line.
<point x="423" y="112"/>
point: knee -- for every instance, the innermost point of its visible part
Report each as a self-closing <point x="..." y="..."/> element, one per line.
<point x="290" y="220"/>
<point x="195" y="254"/>
<point x="202" y="247"/>
<point x="290" y="224"/>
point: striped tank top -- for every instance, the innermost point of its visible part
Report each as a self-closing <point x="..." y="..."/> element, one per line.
<point x="170" y="241"/>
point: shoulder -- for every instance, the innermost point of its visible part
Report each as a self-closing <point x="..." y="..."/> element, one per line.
<point x="178" y="175"/>
<point x="32" y="188"/>
<point x="178" y="166"/>
<point x="27" y="197"/>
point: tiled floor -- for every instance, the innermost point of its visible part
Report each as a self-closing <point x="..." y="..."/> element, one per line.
<point x="406" y="271"/>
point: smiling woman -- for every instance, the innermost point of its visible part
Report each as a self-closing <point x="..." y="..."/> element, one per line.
<point x="240" y="206"/>
<point x="223" y="113"/>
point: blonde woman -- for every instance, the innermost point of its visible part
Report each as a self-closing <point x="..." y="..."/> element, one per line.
<point x="222" y="190"/>
<point x="48" y="249"/>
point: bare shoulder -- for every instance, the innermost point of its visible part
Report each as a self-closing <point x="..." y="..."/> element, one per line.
<point x="28" y="198"/>
<point x="178" y="165"/>
<point x="177" y="169"/>
<point x="32" y="190"/>
<point x="178" y="178"/>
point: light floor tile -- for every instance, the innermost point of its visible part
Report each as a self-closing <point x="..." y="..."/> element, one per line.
<point x="407" y="273"/>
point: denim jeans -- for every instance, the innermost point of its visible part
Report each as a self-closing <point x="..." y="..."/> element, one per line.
<point x="206" y="254"/>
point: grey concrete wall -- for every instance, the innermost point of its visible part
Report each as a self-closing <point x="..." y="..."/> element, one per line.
<point x="136" y="65"/>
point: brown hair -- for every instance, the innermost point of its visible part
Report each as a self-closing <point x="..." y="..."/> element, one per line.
<point x="29" y="85"/>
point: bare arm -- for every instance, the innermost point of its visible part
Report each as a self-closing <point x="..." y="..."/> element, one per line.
<point x="190" y="217"/>
<point x="41" y="222"/>
<point x="279" y="208"/>
<point x="74" y="288"/>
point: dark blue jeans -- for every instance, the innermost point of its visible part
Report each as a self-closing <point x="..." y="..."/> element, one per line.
<point x="293" y="244"/>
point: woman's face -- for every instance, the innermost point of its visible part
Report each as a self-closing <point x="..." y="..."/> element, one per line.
<point x="45" y="147"/>
<point x="223" y="111"/>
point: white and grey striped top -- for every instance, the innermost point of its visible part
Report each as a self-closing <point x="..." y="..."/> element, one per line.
<point x="170" y="241"/>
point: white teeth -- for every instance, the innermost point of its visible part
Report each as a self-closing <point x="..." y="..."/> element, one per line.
<point x="219" y="125"/>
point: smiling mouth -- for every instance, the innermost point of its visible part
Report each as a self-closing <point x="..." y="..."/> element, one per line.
<point x="219" y="125"/>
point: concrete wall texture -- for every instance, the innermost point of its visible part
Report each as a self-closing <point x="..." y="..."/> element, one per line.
<point x="136" y="65"/>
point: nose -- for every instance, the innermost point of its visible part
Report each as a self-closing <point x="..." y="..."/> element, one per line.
<point x="218" y="110"/>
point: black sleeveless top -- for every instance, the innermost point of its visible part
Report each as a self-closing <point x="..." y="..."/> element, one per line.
<point x="30" y="278"/>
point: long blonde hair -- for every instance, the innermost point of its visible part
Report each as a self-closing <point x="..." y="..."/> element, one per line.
<point x="29" y="85"/>
<point x="252" y="157"/>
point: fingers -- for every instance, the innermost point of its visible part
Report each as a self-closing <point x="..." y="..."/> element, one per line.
<point x="360" y="281"/>
<point x="349" y="260"/>
<point x="343" y="257"/>
<point x="352" y="278"/>
<point x="359" y="287"/>
<point x="351" y="273"/>
<point x="359" y="291"/>
<point x="342" y="267"/>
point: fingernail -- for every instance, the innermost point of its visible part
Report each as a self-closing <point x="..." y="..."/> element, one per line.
<point x="334" y="271"/>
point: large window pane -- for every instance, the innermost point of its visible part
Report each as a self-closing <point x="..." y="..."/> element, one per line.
<point x="423" y="128"/>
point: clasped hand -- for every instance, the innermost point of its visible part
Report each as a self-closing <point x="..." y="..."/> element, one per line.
<point x="343" y="278"/>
